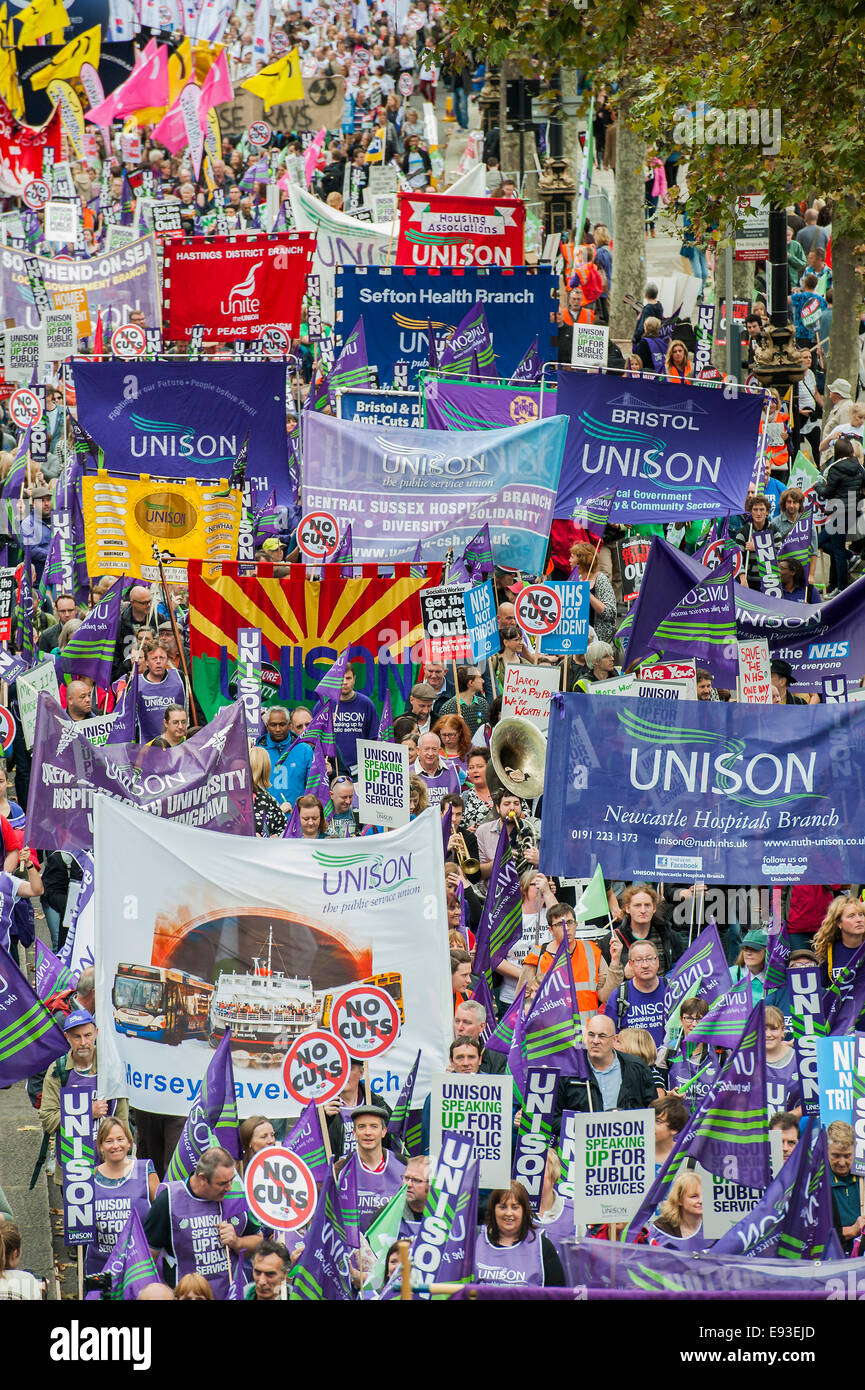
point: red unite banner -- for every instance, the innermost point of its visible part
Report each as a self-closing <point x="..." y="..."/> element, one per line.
<point x="437" y="230"/>
<point x="21" y="150"/>
<point x="235" y="286"/>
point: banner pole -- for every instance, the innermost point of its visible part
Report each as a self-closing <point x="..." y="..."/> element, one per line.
<point x="693" y="906"/>
<point x="405" y="1271"/>
<point x="81" y="1271"/>
<point x="457" y="689"/>
<point x="192" y="706"/>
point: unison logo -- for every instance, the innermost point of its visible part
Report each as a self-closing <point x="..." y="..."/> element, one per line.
<point x="397" y="458"/>
<point x="718" y="765"/>
<point x="168" y="439"/>
<point x="360" y="873"/>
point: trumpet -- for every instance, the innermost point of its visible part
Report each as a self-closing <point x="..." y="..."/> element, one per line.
<point x="469" y="866"/>
<point x="521" y="840"/>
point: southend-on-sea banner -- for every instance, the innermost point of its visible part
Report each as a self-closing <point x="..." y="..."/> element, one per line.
<point x="701" y="790"/>
<point x="398" y="307"/>
<point x="671" y="452"/>
<point x="253" y="935"/>
<point x="304" y="625"/>
<point x="398" y="487"/>
<point x="117" y="281"/>
<point x="188" y="419"/>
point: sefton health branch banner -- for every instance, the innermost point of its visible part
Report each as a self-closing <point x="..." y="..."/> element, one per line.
<point x="670" y="452"/>
<point x="184" y="945"/>
<point x="663" y="790"/>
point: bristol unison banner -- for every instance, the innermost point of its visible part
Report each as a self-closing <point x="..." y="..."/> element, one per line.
<point x="398" y="487"/>
<point x="188" y="419"/>
<point x="254" y="935"/>
<point x="671" y="452"/>
<point x="398" y="309"/>
<point x="699" y="790"/>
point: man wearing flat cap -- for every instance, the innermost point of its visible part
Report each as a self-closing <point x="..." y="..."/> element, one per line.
<point x="376" y="1171"/>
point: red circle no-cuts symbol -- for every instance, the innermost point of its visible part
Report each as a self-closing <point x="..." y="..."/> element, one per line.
<point x="276" y="341"/>
<point x="25" y="407"/>
<point x="318" y="535"/>
<point x="280" y="1188"/>
<point x="538" y="609"/>
<point x="36" y="194"/>
<point x="258" y="133"/>
<point x="366" y="1019"/>
<point x="717" y="553"/>
<point x="316" y="1067"/>
<point x="7" y="729"/>
<point x="129" y="340"/>
<point x="406" y="84"/>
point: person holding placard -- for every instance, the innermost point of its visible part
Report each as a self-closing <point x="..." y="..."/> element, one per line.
<point x="511" y="1249"/>
<point x="618" y="1081"/>
<point x="679" y="1223"/>
<point x="122" y="1184"/>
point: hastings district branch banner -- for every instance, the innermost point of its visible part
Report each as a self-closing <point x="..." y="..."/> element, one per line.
<point x="181" y="938"/>
<point x="693" y="790"/>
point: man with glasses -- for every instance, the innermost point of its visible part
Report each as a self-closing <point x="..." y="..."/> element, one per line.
<point x="587" y="963"/>
<point x="617" y="1081"/>
<point x="639" y="1003"/>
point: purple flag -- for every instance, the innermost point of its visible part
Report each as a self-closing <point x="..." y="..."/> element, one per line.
<point x="592" y="514"/>
<point x="130" y="1263"/>
<point x="452" y="404"/>
<point x="759" y="1232"/>
<point x="205" y="782"/>
<point x="728" y="1133"/>
<point x="845" y="998"/>
<point x="502" y="1036"/>
<point x="51" y="974"/>
<point x="810" y="1232"/>
<point x="549" y="1034"/>
<point x="447" y="818"/>
<point x="321" y="1274"/>
<point x="529" y="369"/>
<point x="796" y="545"/>
<point x="343" y="550"/>
<point x="90" y="650"/>
<point x="22" y="633"/>
<point x="292" y="829"/>
<point x="725" y="1022"/>
<point x="668" y="576"/>
<point x="348" y="1196"/>
<point x="351" y="370"/>
<point x="778" y="959"/>
<point x="317" y="779"/>
<point x="307" y="1141"/>
<point x="123" y="728"/>
<point x="444" y="1247"/>
<point x="330" y="685"/>
<point x="704" y="962"/>
<point x="482" y="994"/>
<point x="212" y="1117"/>
<point x="398" y="1122"/>
<point x="470" y="338"/>
<point x="702" y="626"/>
<point x="501" y="921"/>
<point x="319" y="731"/>
<point x="11" y="667"/>
<point x="385" y="724"/>
<point x="30" y="1037"/>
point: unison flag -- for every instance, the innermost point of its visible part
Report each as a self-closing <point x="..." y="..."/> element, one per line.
<point x="322" y="1272"/>
<point x="529" y="368"/>
<point x="30" y="1037"/>
<point x="51" y="974"/>
<point x="130" y="1263"/>
<point x="90" y="649"/>
<point x="760" y="1231"/>
<point x="548" y="1035"/>
<point x="398" y="1122"/>
<point x="351" y="370"/>
<point x="725" y="1022"/>
<point x="703" y="964"/>
<point x="471" y="338"/>
<point x="845" y="999"/>
<point x="330" y="685"/>
<point x="306" y="1140"/>
<point x="444" y="1247"/>
<point x="212" y="1118"/>
<point x="702" y="626"/>
<point x="501" y="922"/>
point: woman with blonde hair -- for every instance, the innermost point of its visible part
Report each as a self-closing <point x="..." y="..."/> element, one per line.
<point x="121" y="1183"/>
<point x="677" y="363"/>
<point x="418" y="797"/>
<point x="193" y="1288"/>
<point x="269" y="815"/>
<point x="782" y="1070"/>
<point x="840" y="936"/>
<point x="638" y="1042"/>
<point x="679" y="1223"/>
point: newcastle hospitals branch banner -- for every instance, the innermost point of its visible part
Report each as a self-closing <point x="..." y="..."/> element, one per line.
<point x="670" y="452"/>
<point x="174" y="963"/>
<point x="701" y="790"/>
<point x="398" y="487"/>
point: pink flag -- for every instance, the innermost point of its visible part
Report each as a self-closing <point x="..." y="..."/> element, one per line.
<point x="171" y="130"/>
<point x="147" y="84"/>
<point x="310" y="159"/>
<point x="216" y="87"/>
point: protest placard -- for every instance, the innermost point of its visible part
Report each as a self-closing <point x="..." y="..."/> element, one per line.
<point x="530" y="1154"/>
<point x="445" y="631"/>
<point x="367" y="1020"/>
<point x="589" y="345"/>
<point x="481" y="620"/>
<point x="613" y="1164"/>
<point x="679" y="673"/>
<point x="249" y="677"/>
<point x="755" y="683"/>
<point x="633" y="556"/>
<point x="280" y="1188"/>
<point x="806" y="1011"/>
<point x="28" y="688"/>
<point x="527" y="692"/>
<point x="59" y="338"/>
<point x="21" y="354"/>
<point x="724" y="1202"/>
<point x="76" y="1151"/>
<point x="382" y="783"/>
<point x="481" y="1107"/>
<point x="835" y="1063"/>
<point x="316" y="1067"/>
<point x="570" y="636"/>
<point x="61" y="221"/>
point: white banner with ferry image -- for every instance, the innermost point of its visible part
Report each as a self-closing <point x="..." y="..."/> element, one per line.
<point x="212" y="932"/>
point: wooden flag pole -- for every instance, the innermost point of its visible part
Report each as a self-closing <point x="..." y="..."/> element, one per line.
<point x="192" y="706"/>
<point x="403" y="1248"/>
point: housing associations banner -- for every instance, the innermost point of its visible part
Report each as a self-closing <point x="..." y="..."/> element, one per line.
<point x="398" y="487"/>
<point x="188" y="419"/>
<point x="235" y="287"/>
<point x="252" y="935"/>
<point x="702" y="790"/>
<point x="439" y="230"/>
<point x="671" y="452"/>
<point x="116" y="282"/>
<point x="206" y="781"/>
<point x="304" y="625"/>
<point x="399" y="308"/>
<point x="124" y="518"/>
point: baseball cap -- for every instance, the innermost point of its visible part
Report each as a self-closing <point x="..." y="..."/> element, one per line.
<point x="77" y="1019"/>
<point x="757" y="940"/>
<point x="272" y="544"/>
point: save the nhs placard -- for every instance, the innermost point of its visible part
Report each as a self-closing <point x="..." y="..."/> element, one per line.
<point x="570" y="636"/>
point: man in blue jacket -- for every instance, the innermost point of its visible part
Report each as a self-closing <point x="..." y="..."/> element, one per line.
<point x="290" y="761"/>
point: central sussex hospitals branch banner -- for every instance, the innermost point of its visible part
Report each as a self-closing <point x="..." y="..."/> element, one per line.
<point x="689" y="790"/>
<point x="399" y="306"/>
<point x="304" y="625"/>
<point x="235" y="287"/>
<point x="323" y="914"/>
<point x="398" y="487"/>
<point x="670" y="452"/>
<point x="118" y="281"/>
<point x="188" y="419"/>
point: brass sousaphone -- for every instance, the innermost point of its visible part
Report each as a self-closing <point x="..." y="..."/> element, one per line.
<point x="518" y="752"/>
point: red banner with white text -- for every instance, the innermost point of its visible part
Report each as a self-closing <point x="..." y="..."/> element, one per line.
<point x="236" y="287"/>
<point x="438" y="230"/>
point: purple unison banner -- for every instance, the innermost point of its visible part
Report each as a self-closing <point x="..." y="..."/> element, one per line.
<point x="398" y="487"/>
<point x="821" y="641"/>
<point x="727" y="793"/>
<point x="188" y="419"/>
<point x="672" y="453"/>
<point x="601" y="1264"/>
<point x="205" y="782"/>
<point x="117" y="282"/>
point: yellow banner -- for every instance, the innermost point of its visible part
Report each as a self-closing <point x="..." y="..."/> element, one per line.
<point x="125" y="517"/>
<point x="71" y="112"/>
